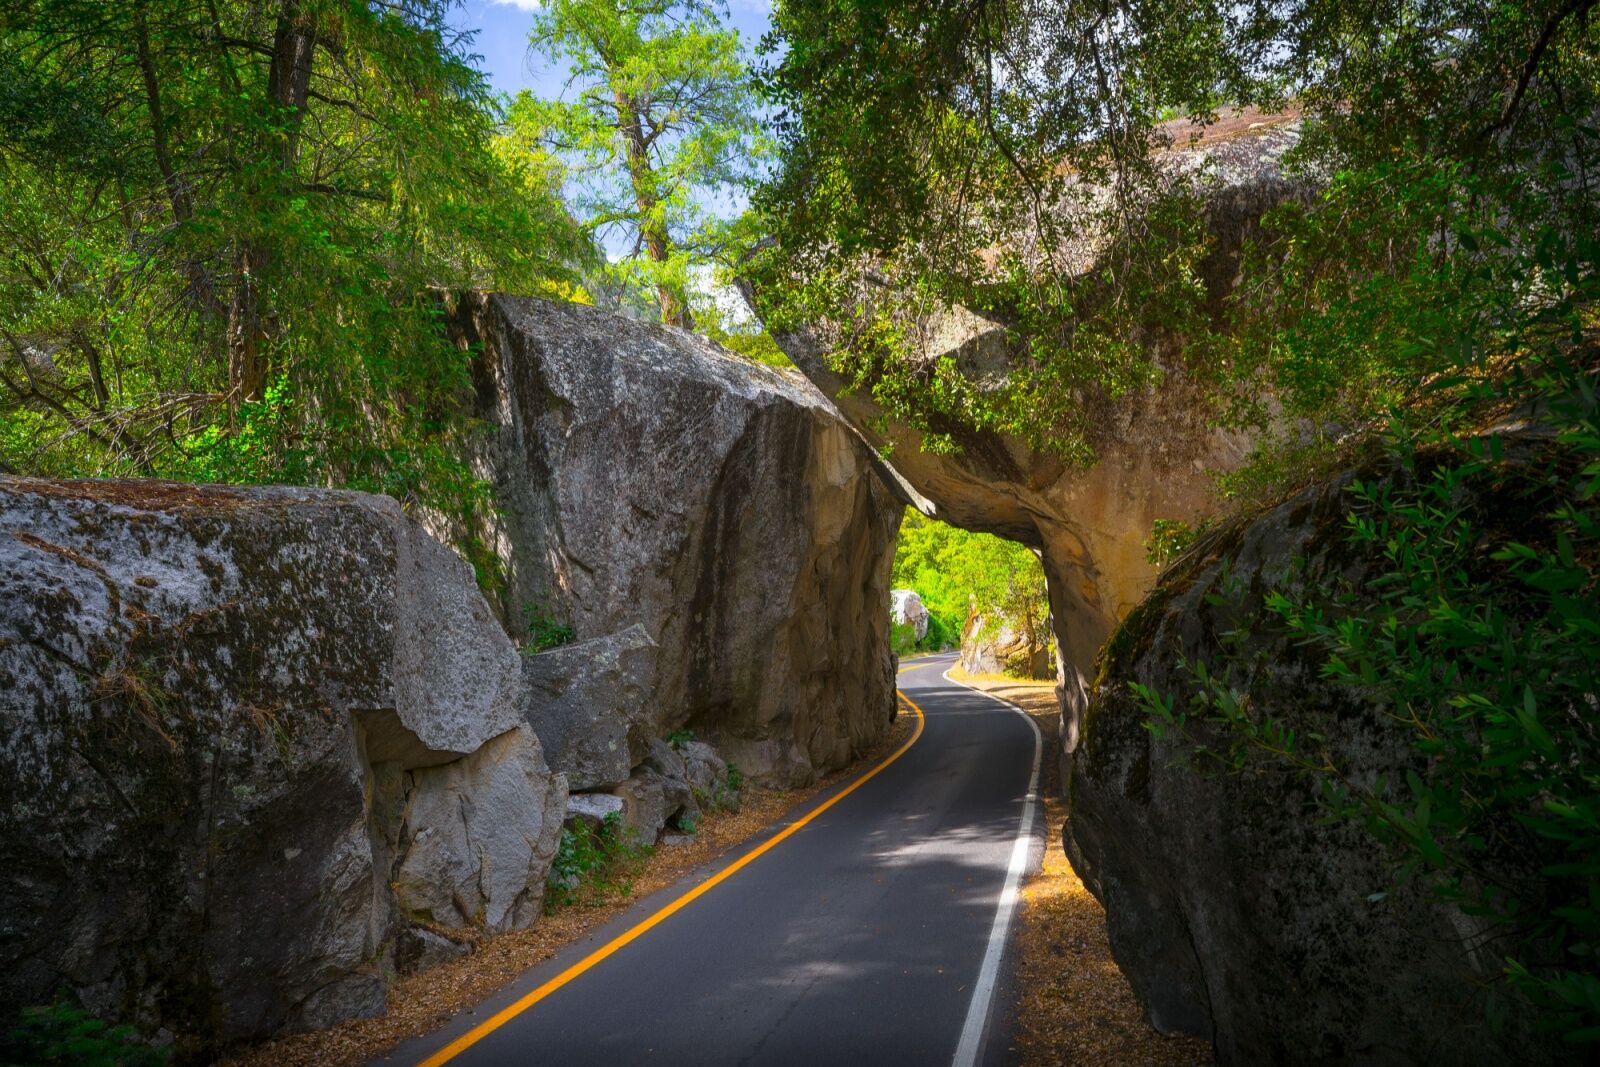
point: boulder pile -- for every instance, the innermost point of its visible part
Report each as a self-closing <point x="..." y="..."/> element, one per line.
<point x="265" y="748"/>
<point x="262" y="746"/>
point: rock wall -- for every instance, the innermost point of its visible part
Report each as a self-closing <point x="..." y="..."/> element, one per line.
<point x="645" y="476"/>
<point x="1001" y="648"/>
<point x="257" y="743"/>
<point x="1235" y="911"/>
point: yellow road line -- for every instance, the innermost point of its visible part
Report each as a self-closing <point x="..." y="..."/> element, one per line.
<point x="918" y="667"/>
<point x="499" y="1019"/>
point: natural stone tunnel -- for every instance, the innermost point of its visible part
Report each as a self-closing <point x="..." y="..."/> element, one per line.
<point x="1222" y="892"/>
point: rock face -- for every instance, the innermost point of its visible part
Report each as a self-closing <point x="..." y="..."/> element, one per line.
<point x="1155" y="450"/>
<point x="235" y="717"/>
<point x="907" y="609"/>
<point x="592" y="706"/>
<point x="1001" y="650"/>
<point x="1235" y="912"/>
<point x="645" y="476"/>
<point x="592" y="808"/>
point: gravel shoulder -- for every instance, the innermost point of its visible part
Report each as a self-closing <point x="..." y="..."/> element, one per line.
<point x="1073" y="1006"/>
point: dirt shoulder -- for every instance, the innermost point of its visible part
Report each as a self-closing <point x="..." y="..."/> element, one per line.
<point x="422" y="1003"/>
<point x="1073" y="1004"/>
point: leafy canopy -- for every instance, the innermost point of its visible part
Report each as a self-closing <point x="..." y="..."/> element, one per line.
<point x="1004" y="156"/>
<point x="220" y="226"/>
<point x="661" y="134"/>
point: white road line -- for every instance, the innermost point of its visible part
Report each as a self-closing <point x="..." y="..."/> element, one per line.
<point x="972" y="1030"/>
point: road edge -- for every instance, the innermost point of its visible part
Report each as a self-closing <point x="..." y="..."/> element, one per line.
<point x="976" y="1027"/>
<point x="472" y="1036"/>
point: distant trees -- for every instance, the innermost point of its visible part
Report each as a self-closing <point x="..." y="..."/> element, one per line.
<point x="956" y="571"/>
<point x="219" y="223"/>
<point x="661" y="132"/>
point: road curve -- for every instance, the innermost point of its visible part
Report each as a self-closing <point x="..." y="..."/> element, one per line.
<point x="858" y="938"/>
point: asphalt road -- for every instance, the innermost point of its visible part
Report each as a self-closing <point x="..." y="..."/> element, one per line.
<point x="859" y="938"/>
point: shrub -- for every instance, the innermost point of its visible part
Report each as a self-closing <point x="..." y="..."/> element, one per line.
<point x="64" y="1034"/>
<point x="902" y="638"/>
<point x="939" y="636"/>
<point x="545" y="630"/>
<point x="593" y="864"/>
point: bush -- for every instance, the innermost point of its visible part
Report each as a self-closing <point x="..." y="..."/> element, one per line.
<point x="545" y="631"/>
<point x="902" y="638"/>
<point x="66" y="1035"/>
<point x="939" y="636"/>
<point x="593" y="864"/>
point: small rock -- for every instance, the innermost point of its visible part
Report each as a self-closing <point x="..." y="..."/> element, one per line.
<point x="592" y="808"/>
<point x="644" y="806"/>
<point x="419" y="949"/>
<point x="665" y="761"/>
<point x="703" y="768"/>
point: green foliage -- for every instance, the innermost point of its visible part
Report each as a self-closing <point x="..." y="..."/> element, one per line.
<point x="956" y="572"/>
<point x="679" y="738"/>
<point x="223" y="227"/>
<point x="545" y="630"/>
<point x="902" y="638"/>
<point x="593" y="865"/>
<point x="964" y="155"/>
<point x="1170" y="538"/>
<point x="662" y="125"/>
<point x="940" y="636"/>
<point x="753" y="344"/>
<point x="1477" y="631"/>
<point x="64" y="1035"/>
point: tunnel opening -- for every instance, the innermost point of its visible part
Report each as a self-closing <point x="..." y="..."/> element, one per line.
<point x="983" y="595"/>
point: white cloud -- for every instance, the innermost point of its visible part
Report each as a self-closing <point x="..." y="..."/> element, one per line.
<point x="526" y="5"/>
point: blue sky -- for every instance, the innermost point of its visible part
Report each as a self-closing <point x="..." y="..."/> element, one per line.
<point x="502" y="40"/>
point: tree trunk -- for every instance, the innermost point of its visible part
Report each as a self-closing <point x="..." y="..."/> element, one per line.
<point x="289" y="79"/>
<point x="177" y="193"/>
<point x="247" y="372"/>
<point x="288" y="90"/>
<point x="657" y="243"/>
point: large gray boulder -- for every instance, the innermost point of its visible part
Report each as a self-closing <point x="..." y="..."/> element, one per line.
<point x="592" y="705"/>
<point x="235" y="717"/>
<point x="1235" y="910"/>
<point x="644" y="475"/>
<point x="907" y="609"/>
